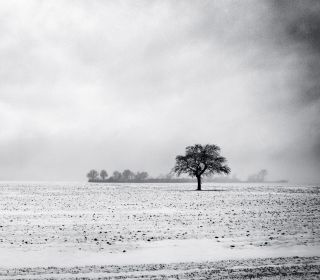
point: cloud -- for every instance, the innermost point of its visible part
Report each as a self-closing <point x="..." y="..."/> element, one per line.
<point x="117" y="85"/>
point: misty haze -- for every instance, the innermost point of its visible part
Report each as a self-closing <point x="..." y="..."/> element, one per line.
<point x="160" y="139"/>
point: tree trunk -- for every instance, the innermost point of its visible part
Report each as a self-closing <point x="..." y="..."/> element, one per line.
<point x="199" y="183"/>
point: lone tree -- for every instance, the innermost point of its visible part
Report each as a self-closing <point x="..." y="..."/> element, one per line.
<point x="201" y="161"/>
<point x="93" y="174"/>
<point x="103" y="174"/>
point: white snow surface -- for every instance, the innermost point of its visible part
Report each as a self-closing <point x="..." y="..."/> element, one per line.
<point x="77" y="224"/>
<point x="192" y="250"/>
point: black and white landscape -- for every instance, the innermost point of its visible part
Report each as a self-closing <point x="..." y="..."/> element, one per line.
<point x="196" y="123"/>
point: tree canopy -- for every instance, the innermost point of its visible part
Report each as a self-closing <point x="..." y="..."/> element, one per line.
<point x="127" y="175"/>
<point x="103" y="174"/>
<point x="201" y="161"/>
<point x="117" y="175"/>
<point x="140" y="176"/>
<point x="93" y="174"/>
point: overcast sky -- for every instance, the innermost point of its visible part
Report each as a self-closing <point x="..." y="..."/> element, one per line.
<point x="129" y="84"/>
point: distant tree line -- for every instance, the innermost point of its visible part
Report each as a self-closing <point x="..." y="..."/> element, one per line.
<point x="143" y="177"/>
<point x="126" y="176"/>
<point x="129" y="176"/>
<point x="259" y="177"/>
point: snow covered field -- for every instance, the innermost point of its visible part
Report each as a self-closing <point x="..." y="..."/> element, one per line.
<point x="169" y="231"/>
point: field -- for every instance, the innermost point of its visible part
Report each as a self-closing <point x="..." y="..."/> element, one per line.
<point x="169" y="231"/>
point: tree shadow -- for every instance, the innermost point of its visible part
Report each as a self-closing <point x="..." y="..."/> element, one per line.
<point x="216" y="190"/>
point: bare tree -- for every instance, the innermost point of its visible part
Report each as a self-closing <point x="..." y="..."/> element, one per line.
<point x="141" y="176"/>
<point x="117" y="175"/>
<point x="103" y="174"/>
<point x="201" y="161"/>
<point x="262" y="175"/>
<point x="127" y="175"/>
<point x="93" y="174"/>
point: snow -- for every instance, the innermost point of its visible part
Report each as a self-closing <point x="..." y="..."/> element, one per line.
<point x="201" y="250"/>
<point x="77" y="225"/>
<point x="192" y="250"/>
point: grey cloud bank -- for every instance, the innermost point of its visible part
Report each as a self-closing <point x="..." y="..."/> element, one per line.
<point x="129" y="84"/>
